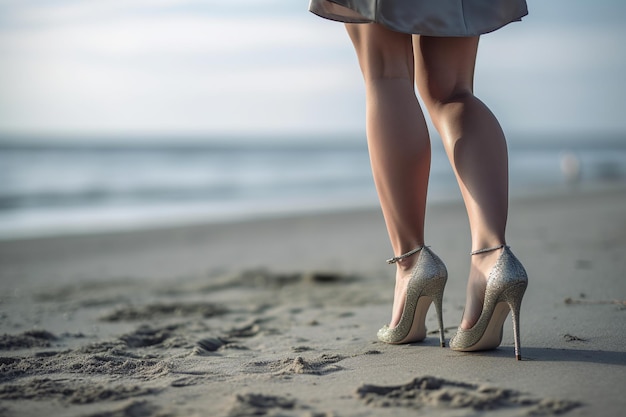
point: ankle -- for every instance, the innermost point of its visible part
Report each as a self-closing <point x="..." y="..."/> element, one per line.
<point x="406" y="261"/>
<point x="405" y="266"/>
<point x="485" y="249"/>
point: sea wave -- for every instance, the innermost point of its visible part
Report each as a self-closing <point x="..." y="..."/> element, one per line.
<point x="50" y="189"/>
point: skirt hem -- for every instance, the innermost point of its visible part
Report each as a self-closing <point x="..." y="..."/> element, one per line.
<point x="420" y="28"/>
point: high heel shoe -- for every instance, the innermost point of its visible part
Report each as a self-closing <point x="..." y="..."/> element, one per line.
<point x="506" y="285"/>
<point x="428" y="279"/>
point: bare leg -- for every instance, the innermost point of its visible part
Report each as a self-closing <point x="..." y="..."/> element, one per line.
<point x="475" y="145"/>
<point x="398" y="141"/>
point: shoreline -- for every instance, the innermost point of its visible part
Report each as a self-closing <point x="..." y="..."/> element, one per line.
<point x="193" y="218"/>
<point x="278" y="316"/>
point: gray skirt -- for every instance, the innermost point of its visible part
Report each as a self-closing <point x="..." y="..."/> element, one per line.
<point x="425" y="17"/>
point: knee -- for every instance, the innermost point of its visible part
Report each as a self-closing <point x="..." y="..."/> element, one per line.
<point x="439" y="102"/>
<point x="438" y="96"/>
<point x="446" y="112"/>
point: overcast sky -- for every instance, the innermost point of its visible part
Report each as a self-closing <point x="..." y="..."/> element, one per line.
<point x="261" y="67"/>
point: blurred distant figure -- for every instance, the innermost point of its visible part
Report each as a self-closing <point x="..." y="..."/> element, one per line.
<point x="570" y="167"/>
<point x="433" y="43"/>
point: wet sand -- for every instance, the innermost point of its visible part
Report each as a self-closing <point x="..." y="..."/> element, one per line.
<point x="278" y="317"/>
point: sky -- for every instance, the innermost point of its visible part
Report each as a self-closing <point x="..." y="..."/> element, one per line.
<point x="257" y="68"/>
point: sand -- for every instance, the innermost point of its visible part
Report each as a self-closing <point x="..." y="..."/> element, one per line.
<point x="278" y="317"/>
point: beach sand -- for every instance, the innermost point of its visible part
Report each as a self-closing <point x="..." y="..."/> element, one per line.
<point x="278" y="317"/>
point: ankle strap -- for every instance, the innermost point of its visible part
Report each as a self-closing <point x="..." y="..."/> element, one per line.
<point x="476" y="252"/>
<point x="404" y="255"/>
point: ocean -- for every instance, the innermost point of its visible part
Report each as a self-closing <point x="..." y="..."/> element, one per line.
<point x="68" y="189"/>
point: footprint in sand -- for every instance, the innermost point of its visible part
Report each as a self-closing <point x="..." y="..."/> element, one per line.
<point x="251" y="329"/>
<point x="436" y="393"/>
<point x="105" y="358"/>
<point x="29" y="339"/>
<point x="322" y="365"/>
<point x="164" y="310"/>
<point x="246" y="405"/>
<point x="160" y="337"/>
<point x="70" y="391"/>
<point x="300" y="349"/>
<point x="262" y="278"/>
<point x="260" y="405"/>
<point x="209" y="345"/>
<point x="133" y="409"/>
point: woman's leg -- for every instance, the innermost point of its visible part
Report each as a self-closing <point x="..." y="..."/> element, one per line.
<point x="398" y="141"/>
<point x="475" y="146"/>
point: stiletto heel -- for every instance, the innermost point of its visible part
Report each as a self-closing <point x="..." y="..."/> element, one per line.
<point x="514" y="299"/>
<point x="506" y="286"/>
<point x="426" y="285"/>
<point x="438" y="301"/>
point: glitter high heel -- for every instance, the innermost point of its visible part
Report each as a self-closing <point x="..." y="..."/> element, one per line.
<point x="506" y="285"/>
<point x="426" y="285"/>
